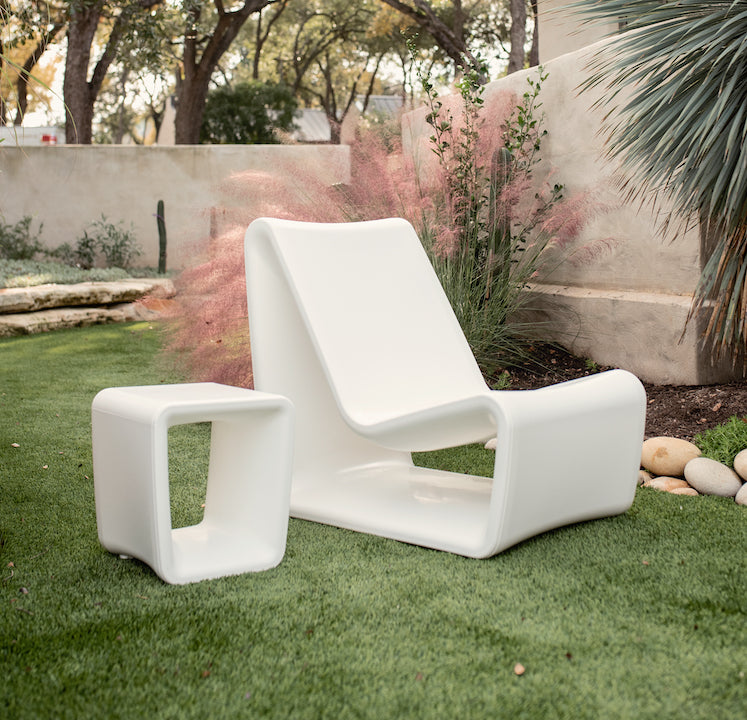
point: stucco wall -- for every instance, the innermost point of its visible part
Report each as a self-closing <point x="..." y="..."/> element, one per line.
<point x="67" y="187"/>
<point x="562" y="33"/>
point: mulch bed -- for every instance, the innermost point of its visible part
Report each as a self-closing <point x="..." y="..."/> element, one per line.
<point x="680" y="411"/>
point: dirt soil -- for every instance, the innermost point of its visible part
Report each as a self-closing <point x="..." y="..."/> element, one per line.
<point x="680" y="411"/>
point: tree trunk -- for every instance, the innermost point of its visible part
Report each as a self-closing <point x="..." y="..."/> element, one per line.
<point x="4" y="12"/>
<point x="518" y="36"/>
<point x="22" y="84"/>
<point x="84" y="19"/>
<point x="451" y="42"/>
<point x="79" y="92"/>
<point x="3" y="107"/>
<point x="534" y="59"/>
<point x="262" y="33"/>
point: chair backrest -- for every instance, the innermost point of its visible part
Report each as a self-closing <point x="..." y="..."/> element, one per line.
<point x="376" y="314"/>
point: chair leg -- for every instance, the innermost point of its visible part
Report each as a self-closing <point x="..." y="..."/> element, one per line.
<point x="572" y="454"/>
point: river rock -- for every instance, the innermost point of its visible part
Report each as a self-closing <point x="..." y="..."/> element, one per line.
<point x="491" y="444"/>
<point x="644" y="477"/>
<point x="667" y="455"/>
<point x="685" y="491"/>
<point x="667" y="484"/>
<point x="741" y="497"/>
<point x="710" y="477"/>
<point x="740" y="464"/>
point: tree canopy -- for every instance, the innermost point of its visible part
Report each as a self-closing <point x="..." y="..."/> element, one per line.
<point x="124" y="57"/>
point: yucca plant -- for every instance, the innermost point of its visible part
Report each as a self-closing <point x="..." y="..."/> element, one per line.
<point x="680" y="132"/>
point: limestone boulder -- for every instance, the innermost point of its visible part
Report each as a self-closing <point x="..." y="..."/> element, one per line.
<point x="62" y="318"/>
<point x="667" y="455"/>
<point x="710" y="477"/>
<point x="42" y="297"/>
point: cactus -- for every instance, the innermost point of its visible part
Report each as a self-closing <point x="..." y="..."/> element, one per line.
<point x="161" y="221"/>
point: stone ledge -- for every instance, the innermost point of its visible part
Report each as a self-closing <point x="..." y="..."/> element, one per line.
<point x="638" y="331"/>
<point x="25" y="311"/>
<point x="63" y="318"/>
<point x="41" y="297"/>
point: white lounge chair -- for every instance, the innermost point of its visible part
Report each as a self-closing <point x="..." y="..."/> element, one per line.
<point x="350" y="322"/>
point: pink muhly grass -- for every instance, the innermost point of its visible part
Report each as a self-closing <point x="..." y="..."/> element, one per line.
<point x="208" y="334"/>
<point x="495" y="111"/>
<point x="593" y="251"/>
<point x="511" y="200"/>
<point x="447" y="243"/>
<point x="568" y="217"/>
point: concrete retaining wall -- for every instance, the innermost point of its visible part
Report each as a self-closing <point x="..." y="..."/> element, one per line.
<point x="68" y="187"/>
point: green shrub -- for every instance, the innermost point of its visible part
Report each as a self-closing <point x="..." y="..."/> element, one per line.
<point x="117" y="245"/>
<point x="248" y="113"/>
<point x="723" y="442"/>
<point x="18" y="241"/>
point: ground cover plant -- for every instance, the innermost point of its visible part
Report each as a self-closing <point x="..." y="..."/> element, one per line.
<point x="105" y="251"/>
<point x="638" y="616"/>
<point x="27" y="273"/>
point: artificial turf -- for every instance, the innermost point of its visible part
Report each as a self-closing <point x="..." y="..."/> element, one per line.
<point x="637" y="616"/>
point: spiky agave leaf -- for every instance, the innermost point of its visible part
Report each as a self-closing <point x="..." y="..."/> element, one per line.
<point x="680" y="130"/>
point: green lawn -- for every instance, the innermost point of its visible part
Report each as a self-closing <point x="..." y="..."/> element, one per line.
<point x="638" y="616"/>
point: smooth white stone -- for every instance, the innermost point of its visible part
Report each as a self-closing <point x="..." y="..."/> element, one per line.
<point x="710" y="477"/>
<point x="740" y="464"/>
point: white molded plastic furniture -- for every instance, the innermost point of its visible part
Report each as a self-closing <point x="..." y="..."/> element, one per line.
<point x="245" y="522"/>
<point x="350" y="322"/>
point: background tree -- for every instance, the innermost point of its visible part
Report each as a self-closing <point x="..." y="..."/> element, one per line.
<point x="27" y="29"/>
<point x="464" y="31"/>
<point x="331" y="57"/>
<point x="681" y="134"/>
<point x="86" y="18"/>
<point x="133" y="96"/>
<point x="4" y="19"/>
<point x="517" y="54"/>
<point x="263" y="27"/>
<point x="447" y="29"/>
<point x="206" y="40"/>
<point x="249" y="112"/>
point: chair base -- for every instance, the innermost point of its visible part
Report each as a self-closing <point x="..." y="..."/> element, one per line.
<point x="432" y="508"/>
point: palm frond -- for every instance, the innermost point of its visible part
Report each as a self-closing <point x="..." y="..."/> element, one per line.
<point x="677" y="110"/>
